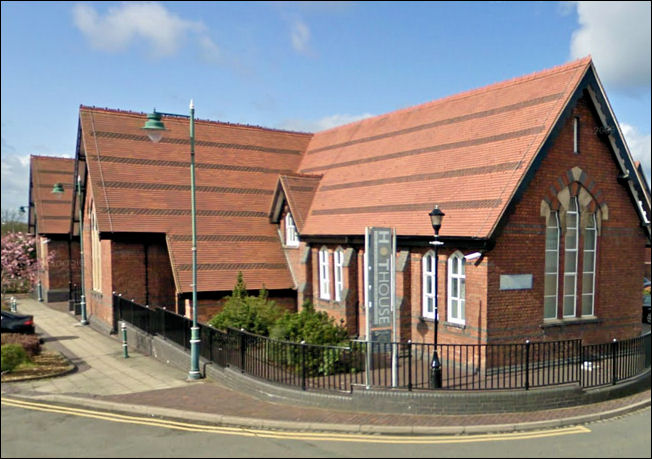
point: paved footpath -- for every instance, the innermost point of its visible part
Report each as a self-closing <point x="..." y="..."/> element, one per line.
<point x="142" y="385"/>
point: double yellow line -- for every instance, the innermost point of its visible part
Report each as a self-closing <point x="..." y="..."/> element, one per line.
<point x="289" y="435"/>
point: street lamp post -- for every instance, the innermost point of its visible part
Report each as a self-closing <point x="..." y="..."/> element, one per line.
<point x="155" y="129"/>
<point x="436" y="217"/>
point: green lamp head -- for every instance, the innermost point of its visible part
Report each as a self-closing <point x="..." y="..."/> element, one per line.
<point x="57" y="190"/>
<point x="154" y="126"/>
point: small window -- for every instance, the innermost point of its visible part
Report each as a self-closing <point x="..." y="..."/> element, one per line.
<point x="324" y="275"/>
<point x="338" y="262"/>
<point x="291" y="235"/>
<point x="456" y="288"/>
<point x="96" y="255"/>
<point x="576" y="135"/>
<point x="428" y="285"/>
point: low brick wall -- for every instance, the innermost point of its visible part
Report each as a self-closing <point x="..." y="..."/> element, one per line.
<point x="389" y="401"/>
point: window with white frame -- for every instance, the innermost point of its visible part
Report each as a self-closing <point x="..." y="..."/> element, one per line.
<point x="588" y="263"/>
<point x="456" y="288"/>
<point x="428" y="285"/>
<point x="291" y="235"/>
<point x="570" y="258"/>
<point x="324" y="275"/>
<point x="338" y="263"/>
<point x="96" y="256"/>
<point x="551" y="276"/>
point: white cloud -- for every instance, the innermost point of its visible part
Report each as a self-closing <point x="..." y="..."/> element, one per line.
<point x="322" y="124"/>
<point x="617" y="35"/>
<point x="300" y="34"/>
<point x="130" y="22"/>
<point x="639" y="146"/>
<point x="15" y="180"/>
<point x="210" y="51"/>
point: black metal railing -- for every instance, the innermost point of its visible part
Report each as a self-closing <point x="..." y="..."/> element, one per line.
<point x="399" y="365"/>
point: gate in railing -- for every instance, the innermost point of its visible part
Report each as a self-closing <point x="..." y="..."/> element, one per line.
<point x="399" y="365"/>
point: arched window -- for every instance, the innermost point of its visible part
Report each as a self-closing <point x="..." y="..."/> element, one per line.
<point x="291" y="235"/>
<point x="428" y="285"/>
<point x="456" y="288"/>
<point x="324" y="275"/>
<point x="570" y="258"/>
<point x="338" y="263"/>
<point x="588" y="263"/>
<point x="551" y="275"/>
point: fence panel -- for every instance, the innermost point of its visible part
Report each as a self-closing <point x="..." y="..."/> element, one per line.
<point x="400" y="365"/>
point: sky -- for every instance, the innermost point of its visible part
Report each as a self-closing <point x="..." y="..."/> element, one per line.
<point x="304" y="66"/>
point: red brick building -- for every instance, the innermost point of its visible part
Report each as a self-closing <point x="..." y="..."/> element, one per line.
<point x="545" y="228"/>
<point x="544" y="234"/>
<point x="49" y="220"/>
<point x="137" y="210"/>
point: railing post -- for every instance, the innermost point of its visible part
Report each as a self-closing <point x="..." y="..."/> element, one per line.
<point x="614" y="345"/>
<point x="242" y="350"/>
<point x="303" y="365"/>
<point x="527" y="364"/>
<point x="409" y="343"/>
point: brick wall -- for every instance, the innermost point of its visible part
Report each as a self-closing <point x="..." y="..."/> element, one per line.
<point x="345" y="311"/>
<point x="473" y="330"/>
<point x="520" y="248"/>
<point x="56" y="274"/>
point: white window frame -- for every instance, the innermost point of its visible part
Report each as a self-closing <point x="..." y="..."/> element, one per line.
<point x="460" y="318"/>
<point x="338" y="271"/>
<point x="291" y="235"/>
<point x="324" y="274"/>
<point x="553" y="225"/>
<point x="570" y="278"/>
<point x="591" y="271"/>
<point x="96" y="254"/>
<point x="428" y="266"/>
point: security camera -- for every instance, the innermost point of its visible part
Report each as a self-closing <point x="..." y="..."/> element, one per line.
<point x="473" y="256"/>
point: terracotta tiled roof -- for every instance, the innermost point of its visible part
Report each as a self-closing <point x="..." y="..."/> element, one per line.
<point x="467" y="153"/>
<point x="51" y="212"/>
<point x="140" y="186"/>
<point x="299" y="190"/>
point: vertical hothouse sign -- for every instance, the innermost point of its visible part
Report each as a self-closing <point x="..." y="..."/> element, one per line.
<point x="380" y="282"/>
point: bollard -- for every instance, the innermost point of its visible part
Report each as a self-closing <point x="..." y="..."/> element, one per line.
<point x="13" y="304"/>
<point x="435" y="372"/>
<point x="125" y="353"/>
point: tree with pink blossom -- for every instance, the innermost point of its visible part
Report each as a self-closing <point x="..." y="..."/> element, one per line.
<point x="20" y="265"/>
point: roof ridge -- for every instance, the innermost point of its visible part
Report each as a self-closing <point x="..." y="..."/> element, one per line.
<point x="302" y="175"/>
<point x="475" y="91"/>
<point x="200" y="120"/>
<point x="50" y="157"/>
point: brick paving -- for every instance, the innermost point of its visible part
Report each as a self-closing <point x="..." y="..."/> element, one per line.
<point x="144" y="384"/>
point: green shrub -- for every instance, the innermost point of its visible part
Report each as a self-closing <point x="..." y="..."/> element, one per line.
<point x="256" y="314"/>
<point x="31" y="343"/>
<point x="319" y="330"/>
<point x="12" y="356"/>
<point x="313" y="327"/>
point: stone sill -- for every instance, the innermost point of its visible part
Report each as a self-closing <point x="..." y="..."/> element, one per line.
<point x="445" y="323"/>
<point x="571" y="321"/>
